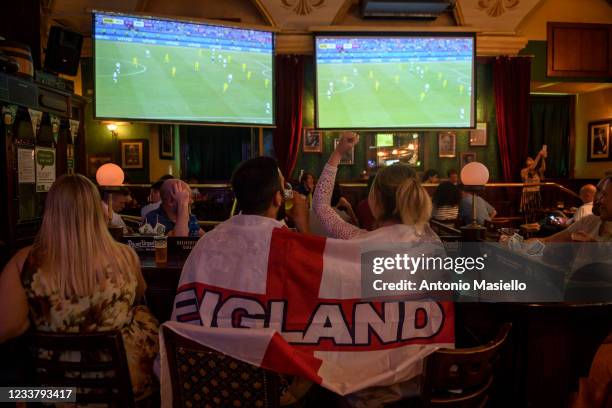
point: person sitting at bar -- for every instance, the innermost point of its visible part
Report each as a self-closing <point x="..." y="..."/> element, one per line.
<point x="431" y="176"/>
<point x="484" y="210"/>
<point x="306" y="187"/>
<point x="174" y="212"/>
<point x="341" y="206"/>
<point x="400" y="205"/>
<point x="76" y="278"/>
<point x="235" y="245"/>
<point x="595" y="227"/>
<point x="154" y="196"/>
<point x="587" y="195"/>
<point x="453" y="176"/>
<point x="120" y="199"/>
<point x="445" y="201"/>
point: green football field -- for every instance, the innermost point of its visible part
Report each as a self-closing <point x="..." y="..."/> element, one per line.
<point x="394" y="95"/>
<point x="180" y="83"/>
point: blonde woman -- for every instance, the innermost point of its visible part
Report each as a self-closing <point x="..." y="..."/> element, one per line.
<point x="402" y="209"/>
<point x="77" y="279"/>
<point x="400" y="205"/>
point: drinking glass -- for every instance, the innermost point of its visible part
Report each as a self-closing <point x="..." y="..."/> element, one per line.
<point x="161" y="249"/>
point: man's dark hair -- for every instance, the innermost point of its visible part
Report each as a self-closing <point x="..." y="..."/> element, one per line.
<point x="450" y="172"/>
<point x="429" y="173"/>
<point x="166" y="177"/>
<point x="254" y="183"/>
<point x="446" y="194"/>
<point x="157" y="185"/>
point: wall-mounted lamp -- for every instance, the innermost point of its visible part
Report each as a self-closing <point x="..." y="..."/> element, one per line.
<point x="113" y="129"/>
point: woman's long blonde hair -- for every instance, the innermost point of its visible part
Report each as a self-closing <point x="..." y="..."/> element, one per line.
<point x="74" y="250"/>
<point x="399" y="196"/>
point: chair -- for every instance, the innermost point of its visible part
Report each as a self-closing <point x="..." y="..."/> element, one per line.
<point x="101" y="375"/>
<point x="462" y="378"/>
<point x="199" y="374"/>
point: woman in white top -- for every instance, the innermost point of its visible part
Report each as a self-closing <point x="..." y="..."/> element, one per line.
<point x="400" y="205"/>
<point x="402" y="209"/>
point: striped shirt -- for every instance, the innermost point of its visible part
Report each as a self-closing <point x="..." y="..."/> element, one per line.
<point x="445" y="213"/>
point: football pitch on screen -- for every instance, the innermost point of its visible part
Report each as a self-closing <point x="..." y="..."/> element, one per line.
<point x="387" y="95"/>
<point x="143" y="81"/>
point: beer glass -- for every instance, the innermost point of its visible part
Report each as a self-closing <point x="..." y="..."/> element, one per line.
<point x="161" y="249"/>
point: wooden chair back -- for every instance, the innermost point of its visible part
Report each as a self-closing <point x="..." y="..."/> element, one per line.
<point x="462" y="378"/>
<point x="98" y="369"/>
<point x="201" y="376"/>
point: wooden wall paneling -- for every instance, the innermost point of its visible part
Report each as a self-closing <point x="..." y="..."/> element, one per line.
<point x="579" y="50"/>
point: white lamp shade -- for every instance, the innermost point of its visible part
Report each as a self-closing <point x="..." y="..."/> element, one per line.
<point x="109" y="175"/>
<point x="474" y="174"/>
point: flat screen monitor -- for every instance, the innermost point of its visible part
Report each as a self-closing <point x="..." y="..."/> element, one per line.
<point x="396" y="81"/>
<point x="384" y="139"/>
<point x="161" y="70"/>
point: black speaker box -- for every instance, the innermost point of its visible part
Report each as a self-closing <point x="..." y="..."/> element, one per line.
<point x="63" y="51"/>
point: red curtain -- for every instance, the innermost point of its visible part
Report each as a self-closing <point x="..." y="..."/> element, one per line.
<point x="289" y="91"/>
<point x="511" y="82"/>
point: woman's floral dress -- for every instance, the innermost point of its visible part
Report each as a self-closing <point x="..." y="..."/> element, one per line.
<point x="112" y="307"/>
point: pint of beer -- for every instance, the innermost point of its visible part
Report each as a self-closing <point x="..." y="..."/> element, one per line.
<point x="288" y="195"/>
<point x="161" y="249"/>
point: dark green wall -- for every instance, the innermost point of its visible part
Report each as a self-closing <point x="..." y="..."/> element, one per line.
<point x="485" y="112"/>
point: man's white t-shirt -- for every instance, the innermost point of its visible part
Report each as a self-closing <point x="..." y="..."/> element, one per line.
<point x="581" y="212"/>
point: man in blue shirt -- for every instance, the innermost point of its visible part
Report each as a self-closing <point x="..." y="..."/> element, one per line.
<point x="174" y="212"/>
<point x="484" y="210"/>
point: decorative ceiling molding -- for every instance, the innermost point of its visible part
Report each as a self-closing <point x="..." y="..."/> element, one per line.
<point x="301" y="14"/>
<point x="264" y="12"/>
<point x="494" y="15"/>
<point x="493" y="45"/>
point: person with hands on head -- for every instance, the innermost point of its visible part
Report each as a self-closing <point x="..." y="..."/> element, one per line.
<point x="174" y="213"/>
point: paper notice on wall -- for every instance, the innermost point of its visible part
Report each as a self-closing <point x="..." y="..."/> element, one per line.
<point x="45" y="168"/>
<point x="25" y="166"/>
<point x="35" y="118"/>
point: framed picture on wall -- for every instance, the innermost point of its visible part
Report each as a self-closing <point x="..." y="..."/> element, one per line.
<point x="348" y="157"/>
<point x="132" y="154"/>
<point x="599" y="140"/>
<point x="312" y="140"/>
<point x="467" y="157"/>
<point x="166" y="142"/>
<point x="478" y="136"/>
<point x="447" y="143"/>
<point x="94" y="161"/>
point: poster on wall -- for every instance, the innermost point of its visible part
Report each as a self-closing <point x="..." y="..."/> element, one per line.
<point x="25" y="166"/>
<point x="45" y="168"/>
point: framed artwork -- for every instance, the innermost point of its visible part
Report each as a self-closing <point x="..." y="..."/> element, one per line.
<point x="166" y="142"/>
<point x="447" y="143"/>
<point x="312" y="140"/>
<point x="132" y="154"/>
<point x="478" y="136"/>
<point x="599" y="140"/>
<point x="467" y="157"/>
<point x="94" y="161"/>
<point x="349" y="157"/>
